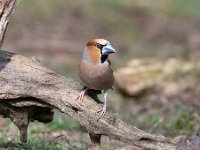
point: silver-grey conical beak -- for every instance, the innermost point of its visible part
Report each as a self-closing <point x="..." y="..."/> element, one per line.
<point x="108" y="49"/>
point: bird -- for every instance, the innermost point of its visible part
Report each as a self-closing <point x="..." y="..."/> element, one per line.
<point x="95" y="71"/>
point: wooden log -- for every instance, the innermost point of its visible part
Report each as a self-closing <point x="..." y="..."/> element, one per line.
<point x="21" y="77"/>
<point x="22" y="111"/>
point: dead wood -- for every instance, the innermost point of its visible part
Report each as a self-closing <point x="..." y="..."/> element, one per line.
<point x="21" y="77"/>
<point x="6" y="9"/>
<point x="21" y="110"/>
<point x="23" y="115"/>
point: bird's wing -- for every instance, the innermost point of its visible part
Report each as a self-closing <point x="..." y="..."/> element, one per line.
<point x="111" y="69"/>
<point x="110" y="65"/>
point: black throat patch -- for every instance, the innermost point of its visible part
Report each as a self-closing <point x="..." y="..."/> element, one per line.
<point x="103" y="58"/>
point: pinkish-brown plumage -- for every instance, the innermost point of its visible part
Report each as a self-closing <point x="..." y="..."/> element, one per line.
<point x="94" y="68"/>
<point x="96" y="76"/>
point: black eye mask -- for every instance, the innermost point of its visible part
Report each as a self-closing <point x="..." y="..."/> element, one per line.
<point x="103" y="57"/>
<point x="100" y="46"/>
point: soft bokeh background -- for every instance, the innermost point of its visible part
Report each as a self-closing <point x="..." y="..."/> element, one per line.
<point x="150" y="32"/>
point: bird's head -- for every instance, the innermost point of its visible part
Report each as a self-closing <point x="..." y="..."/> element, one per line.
<point x="97" y="51"/>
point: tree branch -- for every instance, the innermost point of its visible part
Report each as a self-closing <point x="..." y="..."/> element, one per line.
<point x="6" y="9"/>
<point x="21" y="77"/>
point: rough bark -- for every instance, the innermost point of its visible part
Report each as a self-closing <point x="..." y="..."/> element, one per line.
<point x="22" y="110"/>
<point x="21" y="77"/>
<point x="22" y="115"/>
<point x="6" y="9"/>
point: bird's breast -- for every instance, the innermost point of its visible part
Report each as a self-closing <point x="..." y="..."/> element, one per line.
<point x="96" y="76"/>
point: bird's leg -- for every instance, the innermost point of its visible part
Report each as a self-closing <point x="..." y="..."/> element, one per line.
<point x="81" y="95"/>
<point x="103" y="109"/>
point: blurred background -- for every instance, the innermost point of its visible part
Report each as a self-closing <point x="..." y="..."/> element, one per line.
<point x="156" y="66"/>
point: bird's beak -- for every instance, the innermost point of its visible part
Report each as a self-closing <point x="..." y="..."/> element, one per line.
<point x="108" y="49"/>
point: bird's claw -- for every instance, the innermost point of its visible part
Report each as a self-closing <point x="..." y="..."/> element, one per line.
<point x="80" y="97"/>
<point x="103" y="111"/>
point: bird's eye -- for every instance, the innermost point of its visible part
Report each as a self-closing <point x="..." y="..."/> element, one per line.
<point x="98" y="45"/>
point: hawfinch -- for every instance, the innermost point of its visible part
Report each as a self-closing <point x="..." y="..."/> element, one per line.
<point x="95" y="69"/>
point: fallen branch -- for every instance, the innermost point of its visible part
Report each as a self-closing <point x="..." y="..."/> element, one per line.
<point x="21" y="77"/>
<point x="22" y="112"/>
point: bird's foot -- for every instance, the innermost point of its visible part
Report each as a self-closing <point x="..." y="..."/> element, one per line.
<point x="102" y="111"/>
<point x="79" y="99"/>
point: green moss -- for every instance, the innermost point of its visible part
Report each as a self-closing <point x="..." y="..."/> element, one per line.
<point x="182" y="120"/>
<point x="151" y="74"/>
<point x="61" y="122"/>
